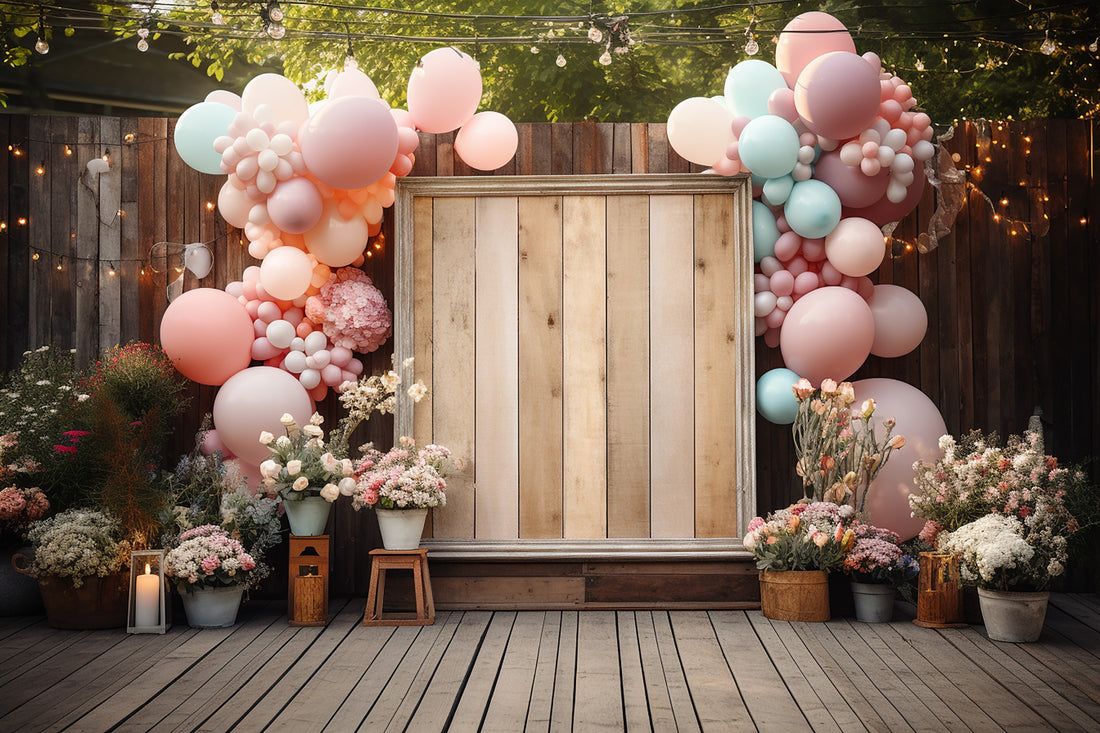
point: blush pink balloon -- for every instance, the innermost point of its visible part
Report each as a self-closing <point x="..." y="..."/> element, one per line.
<point x="286" y="272"/>
<point x="900" y="320"/>
<point x="781" y="104"/>
<point x="262" y="349"/>
<point x="920" y="423"/>
<point x="251" y="402"/>
<point x="806" y="37"/>
<point x="444" y="90"/>
<point x="336" y="241"/>
<point x="350" y="143"/>
<point x="827" y="334"/>
<point x="207" y="334"/>
<point x="787" y="246"/>
<point x="212" y="443"/>
<point x="884" y="211"/>
<point x="487" y="141"/>
<point x="234" y="204"/>
<point x="837" y="95"/>
<point x="295" y="205"/>
<point x="226" y="97"/>
<point x="852" y="185"/>
<point x="855" y="247"/>
<point x="352" y="83"/>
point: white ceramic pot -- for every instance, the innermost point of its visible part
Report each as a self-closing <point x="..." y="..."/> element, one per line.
<point x="401" y="528"/>
<point x="874" y="602"/>
<point x="1013" y="616"/>
<point x="308" y="516"/>
<point x="212" y="608"/>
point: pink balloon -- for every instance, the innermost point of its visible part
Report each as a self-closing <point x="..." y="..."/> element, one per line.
<point x="352" y="83"/>
<point x="806" y="37"/>
<point x="234" y="204"/>
<point x="295" y="205"/>
<point x="212" y="443"/>
<point x="806" y="282"/>
<point x="407" y="140"/>
<point x="286" y="272"/>
<point x="207" y="334"/>
<point x="350" y="143"/>
<point x="282" y="98"/>
<point x="854" y="188"/>
<point x="332" y="375"/>
<point x="444" y="90"/>
<point x="837" y="95"/>
<point x="855" y="247"/>
<point x="813" y="249"/>
<point x="782" y="283"/>
<point x="787" y="246"/>
<point x="781" y="104"/>
<point x="336" y="241"/>
<point x="919" y="421"/>
<point x="262" y="349"/>
<point x="884" y="211"/>
<point x="900" y="320"/>
<point x="827" y="334"/>
<point x="226" y="97"/>
<point x="251" y="402"/>
<point x="487" y="141"/>
<point x="268" y="311"/>
<point x="341" y="355"/>
<point x="250" y="473"/>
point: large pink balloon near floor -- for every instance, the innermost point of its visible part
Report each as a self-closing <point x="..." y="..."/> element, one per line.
<point x="251" y="402"/>
<point x="350" y="143"/>
<point x="919" y="421"/>
<point x="827" y="334"/>
<point x="207" y="334"/>
<point x="805" y="38"/>
<point x="444" y="90"/>
<point x="900" y="320"/>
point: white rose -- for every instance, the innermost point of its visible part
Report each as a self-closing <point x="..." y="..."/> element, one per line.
<point x="329" y="462"/>
<point x="347" y="466"/>
<point x="269" y="468"/>
<point x="316" y="419"/>
<point x="330" y="492"/>
<point x="347" y="486"/>
<point x="300" y="483"/>
<point x="293" y="468"/>
<point x="287" y="419"/>
<point x="282" y="441"/>
<point x="266" y="437"/>
<point x="313" y="431"/>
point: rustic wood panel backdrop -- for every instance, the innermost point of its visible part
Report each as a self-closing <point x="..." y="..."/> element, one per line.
<point x="1014" y="311"/>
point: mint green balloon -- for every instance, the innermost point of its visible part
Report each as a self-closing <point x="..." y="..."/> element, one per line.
<point x="777" y="190"/>
<point x="768" y="146"/>
<point x="812" y="209"/>
<point x="764" y="232"/>
<point x="197" y="129"/>
<point x="775" y="398"/>
<point x="748" y="86"/>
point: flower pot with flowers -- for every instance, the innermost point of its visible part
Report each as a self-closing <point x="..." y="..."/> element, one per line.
<point x="795" y="549"/>
<point x="309" y="477"/>
<point x="78" y="560"/>
<point x="877" y="566"/>
<point x="211" y="571"/>
<point x="19" y="509"/>
<point x="401" y="486"/>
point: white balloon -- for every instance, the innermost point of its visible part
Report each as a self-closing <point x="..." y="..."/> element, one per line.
<point x="257" y="139"/>
<point x="895" y="139"/>
<point x="281" y="144"/>
<point x="298" y="344"/>
<point x="310" y="378"/>
<point x="315" y="342"/>
<point x="764" y="303"/>
<point x="322" y="358"/>
<point x="280" y="333"/>
<point x="295" y="362"/>
<point x="267" y="159"/>
<point x="923" y="150"/>
<point x="851" y="153"/>
<point x="903" y="163"/>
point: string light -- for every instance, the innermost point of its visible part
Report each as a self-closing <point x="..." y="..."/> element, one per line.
<point x="209" y="205"/>
<point x="595" y="34"/>
<point x="560" y="60"/>
<point x="605" y="58"/>
<point x="60" y="260"/>
<point x="1047" y="47"/>
<point x="350" y="64"/>
<point x="41" y="169"/>
<point x="111" y="272"/>
<point x="22" y="221"/>
<point x="41" y="46"/>
<point x="68" y="150"/>
<point x="215" y="18"/>
<point x="274" y="12"/>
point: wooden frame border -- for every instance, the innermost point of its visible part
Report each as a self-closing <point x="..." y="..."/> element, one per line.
<point x="406" y="191"/>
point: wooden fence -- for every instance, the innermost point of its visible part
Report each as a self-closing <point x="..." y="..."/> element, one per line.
<point x="1011" y="292"/>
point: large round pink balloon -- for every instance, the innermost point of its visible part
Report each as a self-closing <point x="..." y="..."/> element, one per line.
<point x="251" y="402"/>
<point x="806" y="37"/>
<point x="336" y="241"/>
<point x="855" y="247"/>
<point x="900" y="320"/>
<point x="350" y="143"/>
<point x="884" y="211"/>
<point x="281" y="97"/>
<point x="919" y="421"/>
<point x="234" y="204"/>
<point x="487" y="141"/>
<point x="352" y="83"/>
<point x="295" y="205"/>
<point x="838" y="95"/>
<point x="854" y="188"/>
<point x="827" y="334"/>
<point x="444" y="90"/>
<point x="207" y="334"/>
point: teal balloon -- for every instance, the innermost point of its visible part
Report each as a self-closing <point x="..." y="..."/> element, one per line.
<point x="197" y="129"/>
<point x="769" y="146"/>
<point x="775" y="399"/>
<point x="764" y="232"/>
<point x="812" y="209"/>
<point x="777" y="190"/>
<point x="748" y="86"/>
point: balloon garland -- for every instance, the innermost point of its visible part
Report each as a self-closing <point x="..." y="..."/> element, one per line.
<point x="308" y="183"/>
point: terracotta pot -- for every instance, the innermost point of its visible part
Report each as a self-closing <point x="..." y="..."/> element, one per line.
<point x="99" y="603"/>
<point x="19" y="594"/>
<point x="795" y="595"/>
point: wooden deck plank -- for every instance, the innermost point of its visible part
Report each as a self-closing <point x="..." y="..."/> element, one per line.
<point x="597" y="698"/>
<point x="512" y="693"/>
<point x="635" y="708"/>
<point x="715" y="695"/>
<point x="656" y="690"/>
<point x="1065" y="625"/>
<point x="1062" y="657"/>
<point x="769" y="701"/>
<point x="675" y="677"/>
<point x="1082" y="611"/>
<point x="561" y="707"/>
<point x="439" y="699"/>
<point x="38" y="644"/>
<point x="424" y="675"/>
<point x="542" y="687"/>
<point x="358" y="703"/>
<point x="474" y="697"/>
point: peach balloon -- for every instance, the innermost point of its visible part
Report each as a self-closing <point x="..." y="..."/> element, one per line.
<point x="827" y="334"/>
<point x="251" y="402"/>
<point x="855" y="247"/>
<point x="207" y="333"/>
<point x="336" y="241"/>
<point x="806" y="37"/>
<point x="920" y="423"/>
<point x="900" y="320"/>
<point x="282" y="98"/>
<point x="285" y="273"/>
<point x="487" y="141"/>
<point x="700" y="130"/>
<point x="444" y="90"/>
<point x="352" y="83"/>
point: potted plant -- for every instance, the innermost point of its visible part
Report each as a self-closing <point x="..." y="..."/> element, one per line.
<point x="795" y="549"/>
<point x="19" y="510"/>
<point x="79" y="558"/>
<point x="877" y="566"/>
<point x="211" y="571"/>
<point x="401" y="486"/>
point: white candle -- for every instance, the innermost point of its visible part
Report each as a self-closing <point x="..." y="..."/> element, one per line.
<point x="147" y="603"/>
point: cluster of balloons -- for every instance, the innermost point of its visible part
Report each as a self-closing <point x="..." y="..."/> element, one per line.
<point x="833" y="144"/>
<point x="308" y="184"/>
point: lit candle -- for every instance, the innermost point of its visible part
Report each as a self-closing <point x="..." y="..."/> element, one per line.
<point x="147" y="603"/>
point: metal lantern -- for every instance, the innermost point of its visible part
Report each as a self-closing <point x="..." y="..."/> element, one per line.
<point x="147" y="611"/>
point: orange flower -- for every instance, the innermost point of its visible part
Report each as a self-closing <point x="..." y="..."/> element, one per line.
<point x="820" y="538"/>
<point x="828" y="386"/>
<point x="827" y="463"/>
<point x="793" y="522"/>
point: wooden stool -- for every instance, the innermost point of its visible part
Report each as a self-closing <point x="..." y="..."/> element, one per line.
<point x="417" y="562"/>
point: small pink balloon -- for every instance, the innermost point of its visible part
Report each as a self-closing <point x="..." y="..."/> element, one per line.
<point x="286" y="272"/>
<point x="775" y="318"/>
<point x="837" y="95"/>
<point x="262" y="349"/>
<point x="855" y="247"/>
<point x="900" y="320"/>
<point x="813" y="250"/>
<point x="234" y="205"/>
<point x="486" y="141"/>
<point x="318" y="393"/>
<point x="403" y="165"/>
<point x="782" y="283"/>
<point x="781" y="104"/>
<point x="268" y="311"/>
<point x="726" y="167"/>
<point x="350" y="143"/>
<point x="771" y="337"/>
<point x="787" y="246"/>
<point x="760" y="283"/>
<point x="444" y="90"/>
<point x="884" y="211"/>
<point x="332" y="375"/>
<point x="252" y="308"/>
<point x="259" y="328"/>
<point x="303" y="329"/>
<point x="212" y="442"/>
<point x="770" y="265"/>
<point x="355" y="367"/>
<point x="798" y="265"/>
<point x="346" y="376"/>
<point x="738" y="124"/>
<point x="830" y="275"/>
<point x="806" y="37"/>
<point x="293" y="316"/>
<point x="890" y="110"/>
<point x="407" y="140"/>
<point x="807" y="282"/>
<point x="827" y="334"/>
<point x="295" y="205"/>
<point x="340" y="356"/>
<point x="866" y="288"/>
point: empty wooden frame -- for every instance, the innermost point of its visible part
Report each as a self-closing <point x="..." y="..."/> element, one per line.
<point x="588" y="345"/>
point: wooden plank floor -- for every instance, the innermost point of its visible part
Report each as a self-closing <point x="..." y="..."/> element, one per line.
<point x="554" y="671"/>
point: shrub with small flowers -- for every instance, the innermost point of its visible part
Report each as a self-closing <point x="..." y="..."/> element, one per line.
<point x="207" y="557"/>
<point x="36" y="403"/>
<point x="301" y="465"/>
<point x="403" y="478"/>
<point x="804" y="536"/>
<point x="19" y="509"/>
<point x="77" y="544"/>
<point x="877" y="557"/>
<point x="1003" y="552"/>
<point x="839" y="450"/>
<point x="374" y="393"/>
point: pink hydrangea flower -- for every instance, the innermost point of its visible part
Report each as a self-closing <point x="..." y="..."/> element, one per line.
<point x="351" y="311"/>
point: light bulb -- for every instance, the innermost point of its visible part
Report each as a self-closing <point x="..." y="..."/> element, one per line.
<point x="920" y="65"/>
<point x="561" y="60"/>
<point x="605" y="59"/>
<point x="216" y="18"/>
<point x="534" y="49"/>
<point x="275" y="12"/>
<point x="276" y="30"/>
<point x="143" y="45"/>
<point x="595" y="34"/>
<point x="350" y="64"/>
<point x="143" y="33"/>
<point x="752" y="47"/>
<point x="1048" y="46"/>
<point x="1094" y="45"/>
<point x="41" y="46"/>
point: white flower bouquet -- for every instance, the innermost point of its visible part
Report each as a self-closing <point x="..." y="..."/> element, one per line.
<point x="1003" y="552"/>
<point x="300" y="464"/>
<point x="77" y="544"/>
<point x="208" y="557"/>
